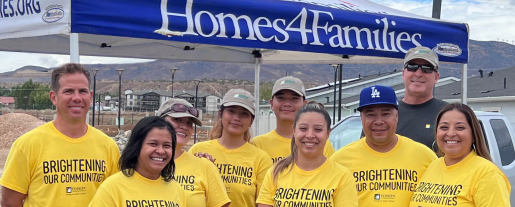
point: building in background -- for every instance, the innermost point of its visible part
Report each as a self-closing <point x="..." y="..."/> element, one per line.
<point x="350" y="91"/>
<point x="494" y="92"/>
<point x="151" y="100"/>
<point x="7" y="101"/>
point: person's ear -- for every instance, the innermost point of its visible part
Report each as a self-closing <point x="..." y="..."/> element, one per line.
<point x="53" y="97"/>
<point x="437" y="76"/>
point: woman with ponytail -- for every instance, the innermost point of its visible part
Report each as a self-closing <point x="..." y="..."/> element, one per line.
<point x="241" y="165"/>
<point x="307" y="173"/>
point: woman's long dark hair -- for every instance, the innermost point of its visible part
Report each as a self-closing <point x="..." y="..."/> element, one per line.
<point x="288" y="162"/>
<point x="129" y="158"/>
<point x="477" y="136"/>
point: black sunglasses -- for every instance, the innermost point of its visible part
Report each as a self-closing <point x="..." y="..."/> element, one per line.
<point x="182" y="108"/>
<point x="414" y="67"/>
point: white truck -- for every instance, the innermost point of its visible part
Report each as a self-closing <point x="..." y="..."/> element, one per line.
<point x="497" y="130"/>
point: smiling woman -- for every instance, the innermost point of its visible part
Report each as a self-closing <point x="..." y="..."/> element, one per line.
<point x="147" y="169"/>
<point x="242" y="166"/>
<point x="198" y="177"/>
<point x="307" y="169"/>
<point x="466" y="165"/>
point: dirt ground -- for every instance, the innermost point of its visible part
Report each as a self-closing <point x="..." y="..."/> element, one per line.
<point x="106" y="125"/>
<point x="3" y="157"/>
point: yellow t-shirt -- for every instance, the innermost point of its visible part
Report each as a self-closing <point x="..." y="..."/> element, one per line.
<point x="472" y="182"/>
<point x="200" y="181"/>
<point x="242" y="169"/>
<point x="330" y="185"/>
<point x="55" y="170"/>
<point x="138" y="191"/>
<point x="278" y="147"/>
<point x="385" y="179"/>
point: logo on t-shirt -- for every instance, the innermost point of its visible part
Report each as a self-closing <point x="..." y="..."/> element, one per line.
<point x="375" y="93"/>
<point x="75" y="190"/>
<point x="384" y="197"/>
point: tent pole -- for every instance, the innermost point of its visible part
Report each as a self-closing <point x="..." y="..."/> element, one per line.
<point x="256" y="96"/>
<point x="464" y="84"/>
<point x="437" y="8"/>
<point x="74" y="48"/>
<point x="340" y="92"/>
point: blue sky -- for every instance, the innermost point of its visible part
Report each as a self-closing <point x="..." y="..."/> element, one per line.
<point x="489" y="20"/>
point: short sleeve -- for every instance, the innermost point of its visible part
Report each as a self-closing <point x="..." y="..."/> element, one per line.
<point x="194" y="149"/>
<point x="115" y="157"/>
<point x="265" y="163"/>
<point x="267" y="190"/>
<point x="328" y="149"/>
<point x="17" y="171"/>
<point x="346" y="195"/>
<point x="102" y="198"/>
<point x="216" y="193"/>
<point x="431" y="155"/>
<point x="492" y="190"/>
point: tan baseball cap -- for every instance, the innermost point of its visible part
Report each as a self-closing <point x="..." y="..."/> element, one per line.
<point x="424" y="53"/>
<point x="289" y="83"/>
<point x="239" y="97"/>
<point x="167" y="110"/>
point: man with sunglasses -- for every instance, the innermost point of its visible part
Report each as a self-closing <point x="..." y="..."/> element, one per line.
<point x="418" y="108"/>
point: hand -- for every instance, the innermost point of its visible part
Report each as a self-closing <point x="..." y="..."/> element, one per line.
<point x="205" y="155"/>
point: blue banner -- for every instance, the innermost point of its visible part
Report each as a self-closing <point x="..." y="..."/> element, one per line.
<point x="271" y="24"/>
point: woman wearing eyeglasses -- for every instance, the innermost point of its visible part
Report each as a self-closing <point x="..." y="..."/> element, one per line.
<point x="241" y="165"/>
<point x="198" y="177"/>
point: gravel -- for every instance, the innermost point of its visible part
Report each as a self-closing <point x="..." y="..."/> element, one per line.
<point x="122" y="138"/>
<point x="13" y="125"/>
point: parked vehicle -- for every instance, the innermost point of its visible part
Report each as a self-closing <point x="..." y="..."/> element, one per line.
<point x="497" y="130"/>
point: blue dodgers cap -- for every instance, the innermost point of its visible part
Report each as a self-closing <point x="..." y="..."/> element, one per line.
<point x="377" y="94"/>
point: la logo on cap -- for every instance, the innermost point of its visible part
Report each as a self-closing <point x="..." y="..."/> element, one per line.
<point x="375" y="93"/>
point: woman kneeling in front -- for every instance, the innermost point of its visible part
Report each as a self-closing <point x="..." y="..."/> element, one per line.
<point x="147" y="168"/>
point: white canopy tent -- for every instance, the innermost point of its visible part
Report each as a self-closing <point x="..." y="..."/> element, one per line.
<point x="99" y="35"/>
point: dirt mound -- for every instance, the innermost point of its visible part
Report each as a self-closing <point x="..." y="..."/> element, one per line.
<point x="13" y="125"/>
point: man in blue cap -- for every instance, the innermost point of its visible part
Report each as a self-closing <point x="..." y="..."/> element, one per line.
<point x="386" y="166"/>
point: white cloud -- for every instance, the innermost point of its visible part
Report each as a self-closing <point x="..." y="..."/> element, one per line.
<point x="487" y="19"/>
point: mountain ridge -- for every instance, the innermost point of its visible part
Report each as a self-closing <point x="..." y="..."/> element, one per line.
<point x="486" y="55"/>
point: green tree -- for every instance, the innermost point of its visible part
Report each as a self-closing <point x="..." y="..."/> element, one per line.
<point x="31" y="95"/>
<point x="265" y="91"/>
<point x="41" y="97"/>
<point x="4" y="91"/>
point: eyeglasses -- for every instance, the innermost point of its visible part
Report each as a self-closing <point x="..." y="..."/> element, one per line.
<point x="414" y="67"/>
<point x="182" y="108"/>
